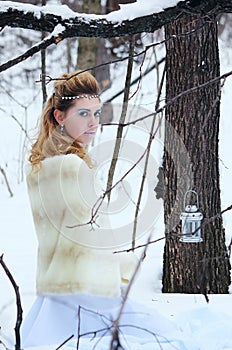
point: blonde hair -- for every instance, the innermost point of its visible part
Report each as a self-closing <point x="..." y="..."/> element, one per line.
<point x="51" y="141"/>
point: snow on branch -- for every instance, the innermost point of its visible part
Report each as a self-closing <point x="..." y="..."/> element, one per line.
<point x="117" y="23"/>
<point x="60" y="22"/>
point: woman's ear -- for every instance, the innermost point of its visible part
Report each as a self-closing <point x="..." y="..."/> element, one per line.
<point x="59" y="116"/>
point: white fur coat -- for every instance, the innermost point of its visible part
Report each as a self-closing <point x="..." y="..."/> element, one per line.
<point x="77" y="259"/>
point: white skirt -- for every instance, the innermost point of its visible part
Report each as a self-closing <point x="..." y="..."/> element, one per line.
<point x="89" y="321"/>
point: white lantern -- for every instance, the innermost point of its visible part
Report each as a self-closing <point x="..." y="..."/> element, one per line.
<point x="191" y="222"/>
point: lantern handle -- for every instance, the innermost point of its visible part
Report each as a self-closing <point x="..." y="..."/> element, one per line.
<point x="185" y="197"/>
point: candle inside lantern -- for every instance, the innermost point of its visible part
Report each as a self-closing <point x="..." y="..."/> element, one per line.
<point x="191" y="223"/>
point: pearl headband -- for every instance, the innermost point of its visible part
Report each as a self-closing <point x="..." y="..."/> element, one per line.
<point x="80" y="96"/>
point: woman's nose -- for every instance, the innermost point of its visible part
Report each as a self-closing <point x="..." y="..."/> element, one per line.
<point x="93" y="120"/>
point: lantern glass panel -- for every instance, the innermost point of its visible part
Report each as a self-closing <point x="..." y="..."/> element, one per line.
<point x="191" y="222"/>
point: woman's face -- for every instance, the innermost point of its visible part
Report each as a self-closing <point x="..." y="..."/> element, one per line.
<point x="82" y="119"/>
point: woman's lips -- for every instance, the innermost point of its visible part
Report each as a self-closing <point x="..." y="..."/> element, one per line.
<point x="89" y="133"/>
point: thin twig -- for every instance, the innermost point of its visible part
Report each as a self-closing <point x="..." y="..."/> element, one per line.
<point x="136" y="80"/>
<point x="2" y="171"/>
<point x="139" y="246"/>
<point x="20" y="125"/>
<point x="140" y="76"/>
<point x="64" y="342"/>
<point x="122" y="119"/>
<point x="175" y="98"/>
<point x="3" y="344"/>
<point x="131" y="56"/>
<point x="18" y="304"/>
<point x="229" y="247"/>
<point x="149" y="144"/>
<point x="206" y="222"/>
<point x="51" y="39"/>
<point x="78" y="326"/>
<point x="116" y="322"/>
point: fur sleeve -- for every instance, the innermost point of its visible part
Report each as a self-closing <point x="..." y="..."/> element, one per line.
<point x="128" y="263"/>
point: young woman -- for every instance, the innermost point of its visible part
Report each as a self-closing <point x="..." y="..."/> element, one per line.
<point x="78" y="276"/>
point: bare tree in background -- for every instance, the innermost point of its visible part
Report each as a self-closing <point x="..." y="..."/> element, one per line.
<point x="93" y="51"/>
<point x="193" y="60"/>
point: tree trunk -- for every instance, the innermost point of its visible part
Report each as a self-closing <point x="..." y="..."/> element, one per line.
<point x="88" y="47"/>
<point x="92" y="51"/>
<point x="191" y="158"/>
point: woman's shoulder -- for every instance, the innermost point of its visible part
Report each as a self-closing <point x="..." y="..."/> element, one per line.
<point x="57" y="164"/>
<point x="63" y="162"/>
<point x="62" y="159"/>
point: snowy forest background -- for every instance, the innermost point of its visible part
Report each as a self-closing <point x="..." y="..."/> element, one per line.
<point x="21" y="100"/>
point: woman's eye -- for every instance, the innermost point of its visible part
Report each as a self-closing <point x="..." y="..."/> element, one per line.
<point x="97" y="114"/>
<point x="83" y="112"/>
<point x="87" y="113"/>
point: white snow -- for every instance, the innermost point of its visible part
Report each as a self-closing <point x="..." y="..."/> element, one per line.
<point x="126" y="11"/>
<point x="139" y="9"/>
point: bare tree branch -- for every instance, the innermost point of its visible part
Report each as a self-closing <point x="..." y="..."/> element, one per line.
<point x="79" y="326"/>
<point x="58" y="35"/>
<point x="18" y="303"/>
<point x="20" y="125"/>
<point x="230" y="247"/>
<point x="52" y="39"/>
<point x="147" y="71"/>
<point x="149" y="144"/>
<point x="29" y="16"/>
<point x="109" y="327"/>
<point x="122" y="120"/>
<point x="206" y="221"/>
<point x="2" y="171"/>
<point x="43" y="64"/>
<point x="4" y="345"/>
<point x="115" y="335"/>
<point x="134" y="55"/>
<point x="41" y="19"/>
<point x="64" y="342"/>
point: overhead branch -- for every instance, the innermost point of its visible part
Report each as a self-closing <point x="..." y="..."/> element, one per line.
<point x="52" y="39"/>
<point x="28" y="16"/>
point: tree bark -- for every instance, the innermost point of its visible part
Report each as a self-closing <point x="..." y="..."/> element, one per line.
<point x="87" y="47"/>
<point x="191" y="159"/>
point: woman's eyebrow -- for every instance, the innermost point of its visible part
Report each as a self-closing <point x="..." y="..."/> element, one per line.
<point x="84" y="109"/>
<point x="89" y="110"/>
